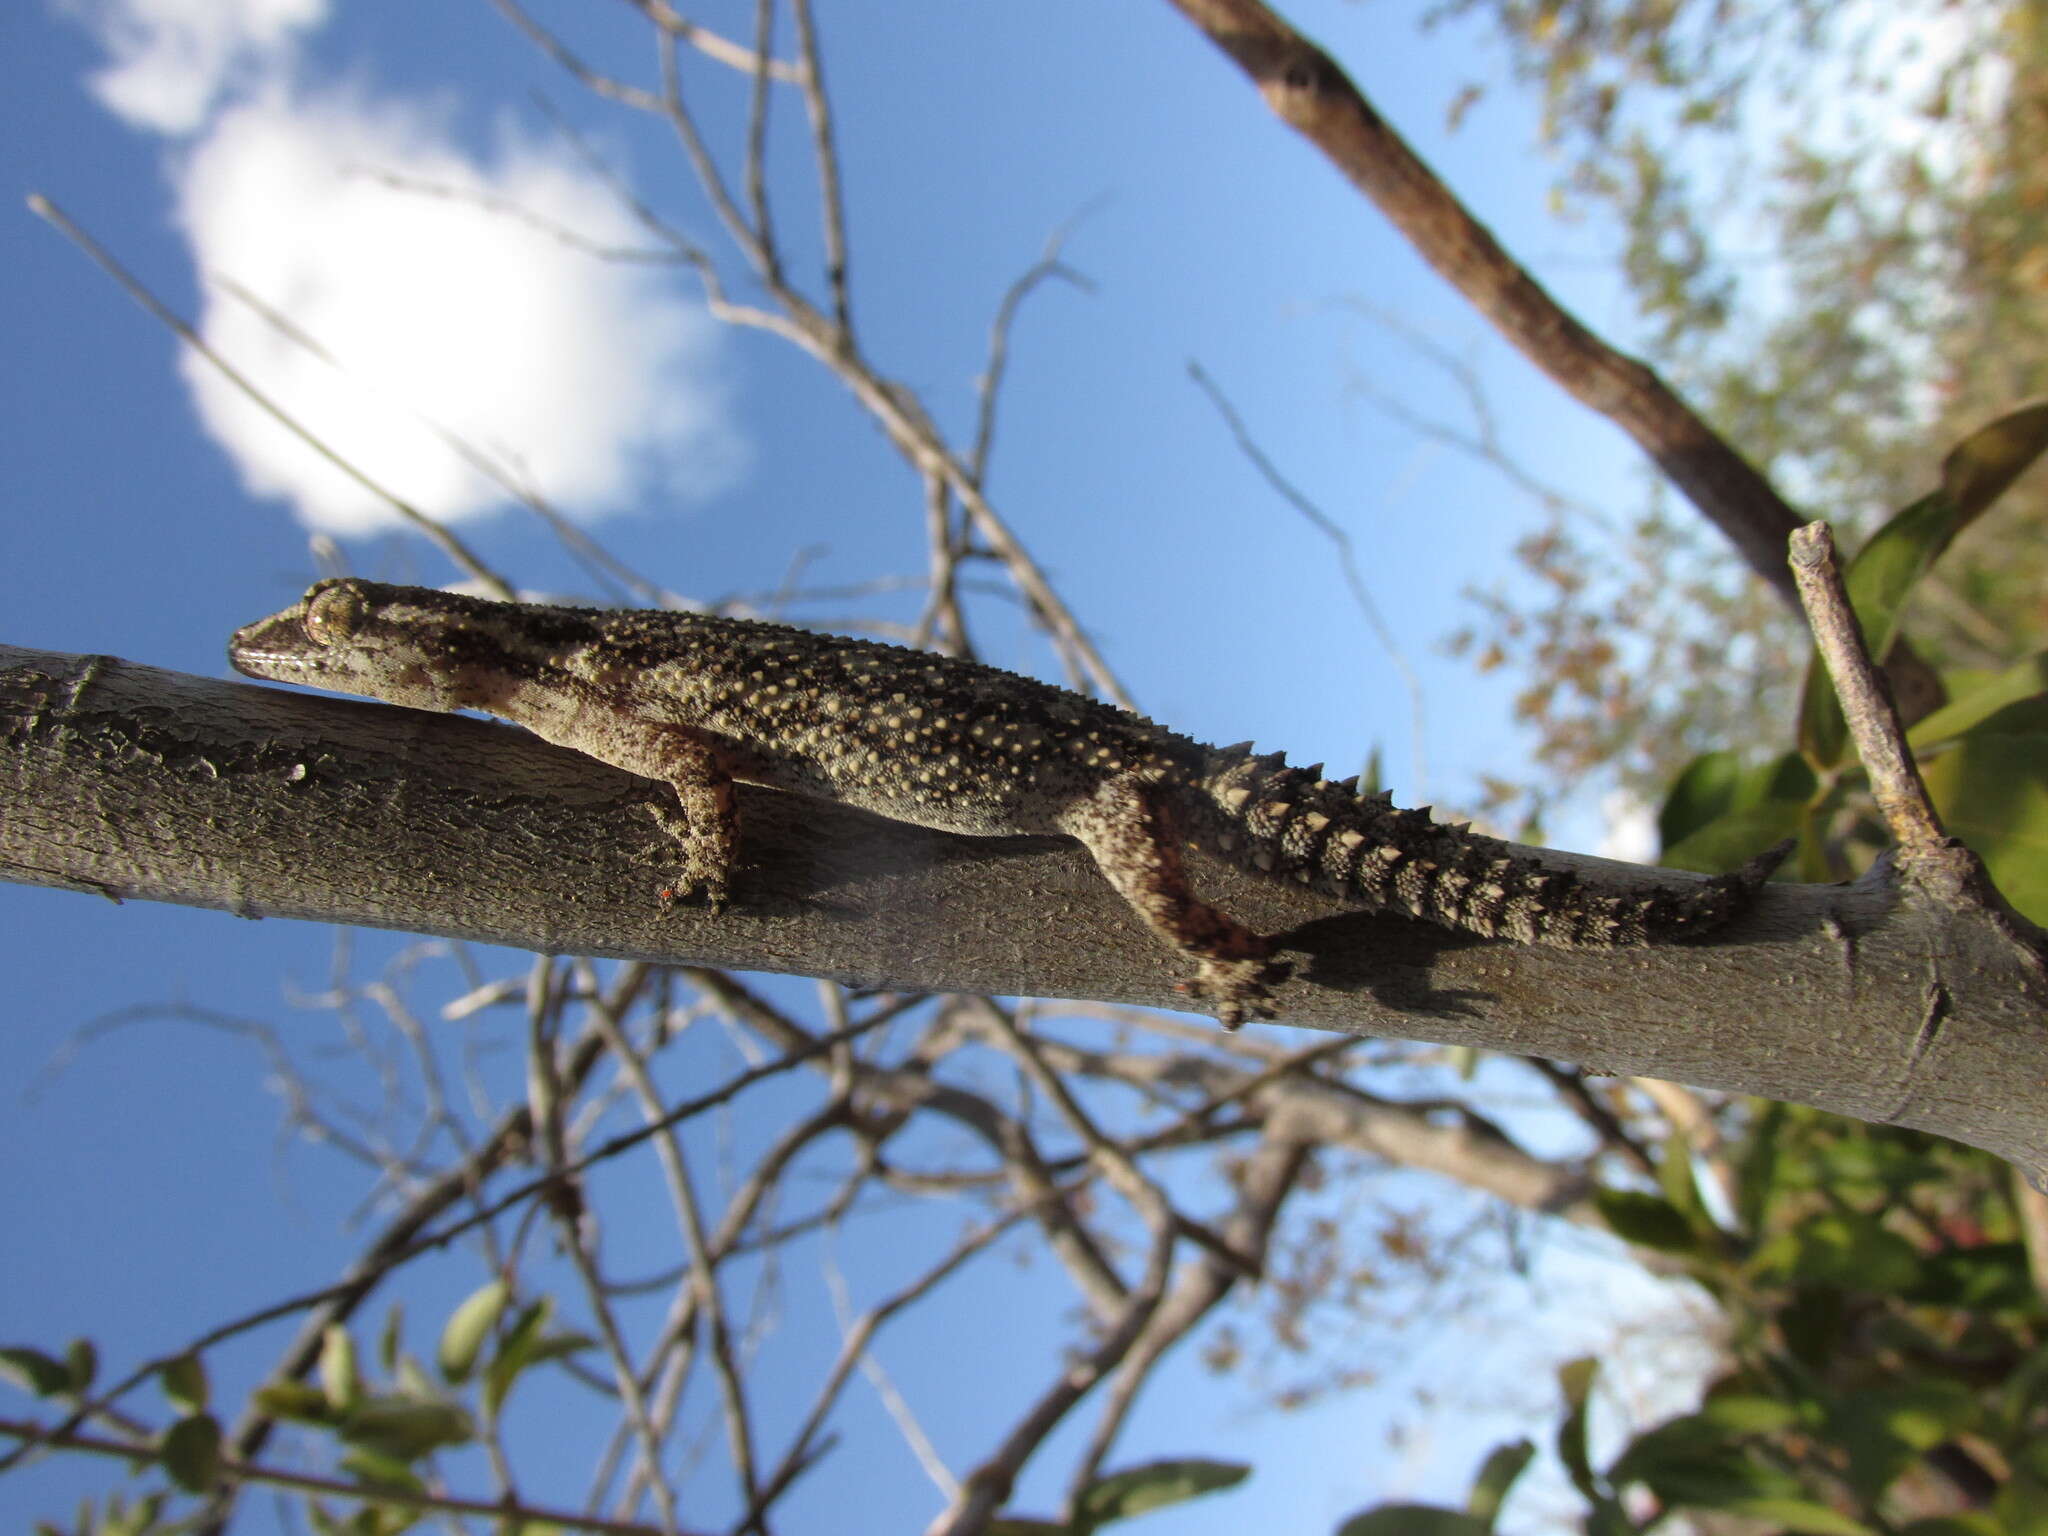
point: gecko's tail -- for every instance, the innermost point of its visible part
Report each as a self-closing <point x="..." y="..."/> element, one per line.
<point x="1294" y="824"/>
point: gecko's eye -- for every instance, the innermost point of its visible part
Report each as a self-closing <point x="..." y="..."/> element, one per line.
<point x="334" y="616"/>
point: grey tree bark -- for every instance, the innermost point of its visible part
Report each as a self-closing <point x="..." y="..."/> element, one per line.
<point x="1913" y="1002"/>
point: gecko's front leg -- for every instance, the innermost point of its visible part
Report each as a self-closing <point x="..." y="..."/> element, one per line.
<point x="704" y="818"/>
<point x="1127" y="825"/>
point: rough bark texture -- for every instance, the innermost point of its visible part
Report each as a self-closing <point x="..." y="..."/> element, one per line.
<point x="1884" y="1000"/>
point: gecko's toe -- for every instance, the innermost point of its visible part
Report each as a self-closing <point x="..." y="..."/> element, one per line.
<point x="685" y="886"/>
<point x="1236" y="990"/>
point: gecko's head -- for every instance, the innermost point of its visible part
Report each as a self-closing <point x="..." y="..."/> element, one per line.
<point x="406" y="645"/>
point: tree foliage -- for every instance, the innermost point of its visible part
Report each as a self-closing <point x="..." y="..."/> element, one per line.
<point x="1832" y="221"/>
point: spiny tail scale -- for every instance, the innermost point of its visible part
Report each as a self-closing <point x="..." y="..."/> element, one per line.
<point x="1294" y="824"/>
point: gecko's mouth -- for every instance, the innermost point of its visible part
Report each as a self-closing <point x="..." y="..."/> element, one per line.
<point x="270" y="647"/>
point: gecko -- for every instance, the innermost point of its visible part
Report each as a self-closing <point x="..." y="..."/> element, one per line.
<point x="698" y="702"/>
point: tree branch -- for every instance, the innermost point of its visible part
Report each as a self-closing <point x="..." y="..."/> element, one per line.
<point x="1306" y="90"/>
<point x="1867" y="707"/>
<point x="132" y="782"/>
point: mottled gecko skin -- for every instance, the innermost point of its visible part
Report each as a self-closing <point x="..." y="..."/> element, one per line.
<point x="699" y="702"/>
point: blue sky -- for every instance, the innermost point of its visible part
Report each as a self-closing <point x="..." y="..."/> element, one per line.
<point x="150" y="1193"/>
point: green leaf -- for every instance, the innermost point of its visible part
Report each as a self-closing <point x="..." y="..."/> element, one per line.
<point x="1887" y="1429"/>
<point x="190" y="1452"/>
<point x="1890" y="565"/>
<point x="184" y="1383"/>
<point x="2022" y="1506"/>
<point x="2018" y="683"/>
<point x="1690" y="1457"/>
<point x="1841" y="1249"/>
<point x="82" y="1361"/>
<point x="1968" y="1522"/>
<point x="468" y="1327"/>
<point x="1703" y="793"/>
<point x="1155" y="1485"/>
<point x="34" y="1371"/>
<point x="1757" y="1178"/>
<point x="1987" y="1278"/>
<point x="404" y="1429"/>
<point x="2026" y="1386"/>
<point x="390" y="1337"/>
<point x="1882" y="576"/>
<point x="1496" y="1476"/>
<point x="1983" y="466"/>
<point x="1814" y="1323"/>
<point x="1575" y="1380"/>
<point x="558" y="1346"/>
<point x="380" y="1469"/>
<point x="298" y="1401"/>
<point x="1413" y="1520"/>
<point x="1801" y="1515"/>
<point x="1016" y="1525"/>
<point x="1752" y="809"/>
<point x="121" y="1520"/>
<point x="1648" y="1221"/>
<point x="339" y="1378"/>
<point x="514" y="1355"/>
<point x="1680" y="1184"/>
<point x="1748" y="1413"/>
<point x="1992" y="791"/>
<point x="411" y="1381"/>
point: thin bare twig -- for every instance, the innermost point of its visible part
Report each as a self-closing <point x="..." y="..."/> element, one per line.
<point x="1873" y="722"/>
<point x="440" y="537"/>
<point x="900" y="415"/>
<point x="989" y="386"/>
<point x="1346" y="557"/>
<point x="941" y="623"/>
<point x="988" y="1487"/>
<point x="1267" y="1178"/>
<point x="757" y="145"/>
<point x="703" y="1280"/>
<point x="712" y="45"/>
<point x="1483" y="442"/>
<point x="832" y="205"/>
<point x="709" y="176"/>
<point x="576" y="1230"/>
<point x="857" y="1335"/>
<point x="1307" y="90"/>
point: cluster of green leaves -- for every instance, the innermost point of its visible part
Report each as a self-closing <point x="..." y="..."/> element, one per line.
<point x="1831" y="301"/>
<point x="384" y="1435"/>
<point x="1983" y="747"/>
<point x="1889" y="1350"/>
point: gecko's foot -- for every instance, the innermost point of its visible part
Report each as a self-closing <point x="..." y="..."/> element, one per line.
<point x="693" y="880"/>
<point x="686" y="885"/>
<point x="702" y="868"/>
<point x="700" y="864"/>
<point x="1236" y="990"/>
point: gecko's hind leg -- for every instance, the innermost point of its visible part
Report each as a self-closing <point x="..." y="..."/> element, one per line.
<point x="1130" y="833"/>
<point x="698" y="812"/>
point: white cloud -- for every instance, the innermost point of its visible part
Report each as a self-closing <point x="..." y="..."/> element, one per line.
<point x="589" y="379"/>
<point x="171" y="59"/>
